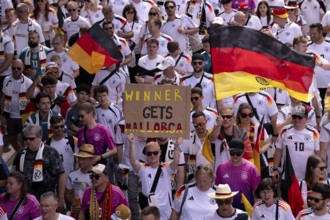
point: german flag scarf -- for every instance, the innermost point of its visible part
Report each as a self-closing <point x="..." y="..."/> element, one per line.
<point x="105" y="200"/>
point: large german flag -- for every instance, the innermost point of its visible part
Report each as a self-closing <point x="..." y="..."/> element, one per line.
<point x="94" y="50"/>
<point x="245" y="60"/>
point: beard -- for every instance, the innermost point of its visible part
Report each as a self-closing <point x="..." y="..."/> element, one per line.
<point x="33" y="44"/>
<point x="318" y="207"/>
<point x="198" y="69"/>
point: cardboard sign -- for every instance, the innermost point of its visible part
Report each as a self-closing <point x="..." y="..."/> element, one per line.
<point x="157" y="110"/>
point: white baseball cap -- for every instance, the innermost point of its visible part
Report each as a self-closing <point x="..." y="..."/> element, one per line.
<point x="167" y="62"/>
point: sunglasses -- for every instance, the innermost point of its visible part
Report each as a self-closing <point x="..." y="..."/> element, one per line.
<point x="317" y="200"/>
<point x="94" y="176"/>
<point x="16" y="68"/>
<point x="223" y="201"/>
<point x="194" y="98"/>
<point x="197" y="62"/>
<point x="169" y="7"/>
<point x="153" y="14"/>
<point x="29" y="138"/>
<point x="290" y="9"/>
<point x="206" y="168"/>
<point x="227" y="116"/>
<point x="201" y="124"/>
<point x="322" y="168"/>
<point x="235" y="153"/>
<point x="70" y="10"/>
<point x="297" y="117"/>
<point x="150" y="153"/>
<point x="108" y="29"/>
<point x="130" y="12"/>
<point x="59" y="126"/>
<point x="243" y="115"/>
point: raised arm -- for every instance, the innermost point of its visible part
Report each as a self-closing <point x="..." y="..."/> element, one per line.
<point x="216" y="130"/>
<point x="135" y="164"/>
<point x="177" y="150"/>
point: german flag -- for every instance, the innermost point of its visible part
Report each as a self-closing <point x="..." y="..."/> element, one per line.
<point x="38" y="164"/>
<point x="94" y="50"/>
<point x="290" y="188"/>
<point x="245" y="60"/>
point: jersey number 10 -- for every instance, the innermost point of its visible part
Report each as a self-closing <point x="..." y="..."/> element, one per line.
<point x="299" y="146"/>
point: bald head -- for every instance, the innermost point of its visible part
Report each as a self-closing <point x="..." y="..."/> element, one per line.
<point x="240" y="18"/>
<point x="18" y="62"/>
<point x="17" y="69"/>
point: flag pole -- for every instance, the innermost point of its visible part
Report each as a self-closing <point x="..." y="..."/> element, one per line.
<point x="213" y="28"/>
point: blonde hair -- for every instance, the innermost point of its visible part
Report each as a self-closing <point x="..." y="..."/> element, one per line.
<point x="55" y="58"/>
<point x="94" y="7"/>
<point x="151" y="143"/>
<point x="155" y="8"/>
<point x="204" y="168"/>
<point x="73" y="3"/>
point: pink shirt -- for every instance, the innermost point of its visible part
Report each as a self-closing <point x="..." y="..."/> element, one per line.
<point x="118" y="198"/>
<point x="28" y="210"/>
<point x="99" y="137"/>
<point x="244" y="178"/>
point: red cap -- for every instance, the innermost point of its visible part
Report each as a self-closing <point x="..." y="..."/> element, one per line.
<point x="280" y="12"/>
<point x="243" y="6"/>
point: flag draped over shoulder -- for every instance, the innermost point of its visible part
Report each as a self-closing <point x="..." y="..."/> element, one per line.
<point x="290" y="187"/>
<point x="207" y="149"/>
<point x="245" y="60"/>
<point x="94" y="50"/>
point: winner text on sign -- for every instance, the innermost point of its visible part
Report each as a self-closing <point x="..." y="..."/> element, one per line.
<point x="157" y="110"/>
